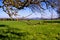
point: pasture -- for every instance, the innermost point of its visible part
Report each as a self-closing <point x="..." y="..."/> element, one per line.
<point x="30" y="30"/>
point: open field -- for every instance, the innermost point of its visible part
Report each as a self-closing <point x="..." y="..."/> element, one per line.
<point x="30" y="30"/>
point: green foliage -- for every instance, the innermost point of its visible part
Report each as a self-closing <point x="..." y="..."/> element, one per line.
<point x="35" y="30"/>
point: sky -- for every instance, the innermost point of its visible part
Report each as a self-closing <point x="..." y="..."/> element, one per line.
<point x="26" y="11"/>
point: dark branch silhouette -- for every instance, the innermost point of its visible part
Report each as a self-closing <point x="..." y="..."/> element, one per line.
<point x="20" y="4"/>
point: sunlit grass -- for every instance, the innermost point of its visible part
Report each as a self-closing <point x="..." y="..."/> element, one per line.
<point x="33" y="29"/>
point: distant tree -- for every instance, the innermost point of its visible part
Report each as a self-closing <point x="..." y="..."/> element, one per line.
<point x="10" y="6"/>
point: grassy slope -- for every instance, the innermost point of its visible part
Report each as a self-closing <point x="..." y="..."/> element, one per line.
<point x="37" y="30"/>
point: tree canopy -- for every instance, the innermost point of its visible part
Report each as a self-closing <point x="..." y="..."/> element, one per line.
<point x="25" y="3"/>
<point x="20" y="4"/>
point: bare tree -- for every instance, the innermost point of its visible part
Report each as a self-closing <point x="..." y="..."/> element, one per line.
<point x="19" y="4"/>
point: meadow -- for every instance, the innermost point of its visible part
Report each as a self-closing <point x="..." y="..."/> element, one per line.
<point x="30" y="30"/>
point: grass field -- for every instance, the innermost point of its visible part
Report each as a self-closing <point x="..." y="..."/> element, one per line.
<point x="30" y="30"/>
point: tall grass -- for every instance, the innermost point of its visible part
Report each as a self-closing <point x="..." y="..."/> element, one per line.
<point x="30" y="30"/>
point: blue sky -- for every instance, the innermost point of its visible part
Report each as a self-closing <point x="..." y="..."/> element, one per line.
<point x="26" y="11"/>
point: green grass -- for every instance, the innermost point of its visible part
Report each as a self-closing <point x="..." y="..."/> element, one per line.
<point x="30" y="30"/>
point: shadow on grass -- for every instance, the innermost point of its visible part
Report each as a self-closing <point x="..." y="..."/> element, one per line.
<point x="44" y="22"/>
<point x="3" y="25"/>
<point x="51" y="21"/>
<point x="8" y="33"/>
